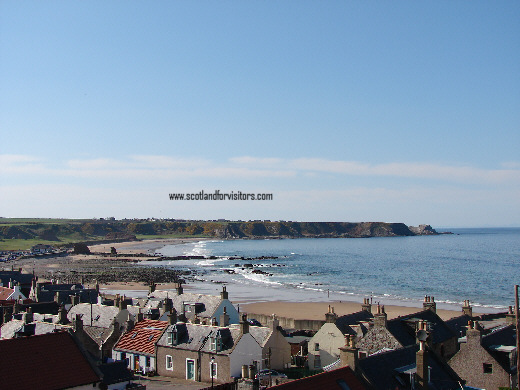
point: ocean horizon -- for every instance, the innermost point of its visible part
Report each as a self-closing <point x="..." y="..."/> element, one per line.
<point x="479" y="264"/>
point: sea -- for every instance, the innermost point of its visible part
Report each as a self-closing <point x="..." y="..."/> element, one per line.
<point x="479" y="264"/>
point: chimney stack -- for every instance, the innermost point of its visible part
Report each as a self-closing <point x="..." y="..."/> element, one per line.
<point x="224" y="318"/>
<point x="244" y="325"/>
<point x="152" y="287"/>
<point x="467" y="309"/>
<point x="77" y="323"/>
<point x="275" y="323"/>
<point x="473" y="334"/>
<point x="331" y="317"/>
<point x="168" y="305"/>
<point x="129" y="324"/>
<point x="122" y="303"/>
<point x="28" y="316"/>
<point x="179" y="289"/>
<point x="8" y="315"/>
<point x="349" y="354"/>
<point x="421" y="359"/>
<point x="510" y="316"/>
<point x="429" y="303"/>
<point x="366" y="306"/>
<point x="172" y="317"/>
<point x="74" y="300"/>
<point x="380" y="318"/>
<point x="16" y="307"/>
<point x="224" y="293"/>
<point x="62" y="315"/>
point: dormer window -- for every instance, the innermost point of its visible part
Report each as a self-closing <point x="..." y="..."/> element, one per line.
<point x="216" y="343"/>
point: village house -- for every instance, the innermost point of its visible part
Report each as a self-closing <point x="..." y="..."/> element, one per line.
<point x="11" y="293"/>
<point x="414" y="367"/>
<point x="98" y="326"/>
<point x="383" y="334"/>
<point x="487" y="361"/>
<point x="276" y="350"/>
<point x="204" y="352"/>
<point x="201" y="306"/>
<point x="324" y="346"/>
<point x="17" y="278"/>
<point x="137" y="345"/>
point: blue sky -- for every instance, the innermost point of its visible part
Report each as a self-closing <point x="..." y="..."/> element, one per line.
<point x="397" y="111"/>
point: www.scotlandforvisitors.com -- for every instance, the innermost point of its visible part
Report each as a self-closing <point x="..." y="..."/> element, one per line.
<point x="217" y="195"/>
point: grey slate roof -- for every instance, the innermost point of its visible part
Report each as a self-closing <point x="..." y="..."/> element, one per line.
<point x="196" y="337"/>
<point x="403" y="328"/>
<point x="210" y="303"/>
<point x="343" y="323"/>
<point x="503" y="336"/>
<point x="459" y="324"/>
<point x="9" y="329"/>
<point x="102" y="316"/>
<point x="48" y="292"/>
<point x="260" y="333"/>
<point x="383" y="370"/>
<point x="97" y="334"/>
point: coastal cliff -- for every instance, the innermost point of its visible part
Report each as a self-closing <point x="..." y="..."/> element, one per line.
<point x="116" y="230"/>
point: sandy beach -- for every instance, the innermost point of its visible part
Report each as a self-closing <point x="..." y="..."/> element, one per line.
<point x="143" y="246"/>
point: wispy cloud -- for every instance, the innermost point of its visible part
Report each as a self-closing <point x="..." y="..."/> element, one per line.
<point x="144" y="167"/>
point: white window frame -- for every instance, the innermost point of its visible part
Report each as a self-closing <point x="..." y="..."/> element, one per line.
<point x="214" y="370"/>
<point x="169" y="362"/>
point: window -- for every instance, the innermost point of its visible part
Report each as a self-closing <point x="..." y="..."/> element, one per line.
<point x="147" y="361"/>
<point x="169" y="362"/>
<point x="170" y="338"/>
<point x="316" y="346"/>
<point x="487" y="368"/>
<point x="213" y="370"/>
<point x="213" y="343"/>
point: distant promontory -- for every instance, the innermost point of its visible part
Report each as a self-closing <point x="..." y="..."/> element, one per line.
<point x="110" y="230"/>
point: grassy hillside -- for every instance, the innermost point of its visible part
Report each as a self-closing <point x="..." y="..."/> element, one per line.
<point x="22" y="233"/>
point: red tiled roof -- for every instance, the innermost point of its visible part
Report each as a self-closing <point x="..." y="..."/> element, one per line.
<point x="5" y="293"/>
<point x="44" y="362"/>
<point x="326" y="380"/>
<point x="142" y="337"/>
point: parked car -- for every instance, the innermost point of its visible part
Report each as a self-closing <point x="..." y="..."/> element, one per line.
<point x="254" y="322"/>
<point x="263" y="376"/>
